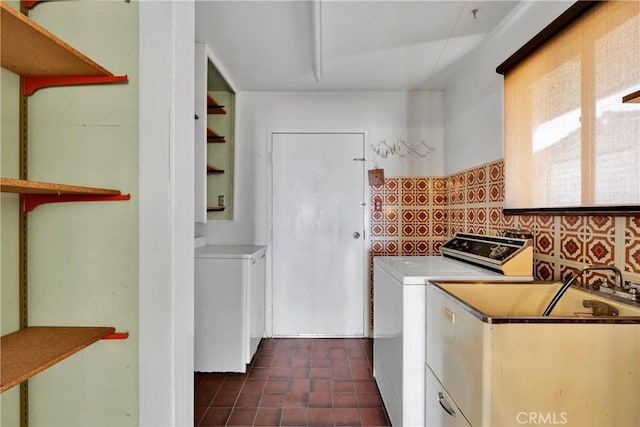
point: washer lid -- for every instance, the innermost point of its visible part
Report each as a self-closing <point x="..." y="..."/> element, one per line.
<point x="419" y="270"/>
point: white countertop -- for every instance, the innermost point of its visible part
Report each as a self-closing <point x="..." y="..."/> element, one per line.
<point x="418" y="270"/>
<point x="199" y="242"/>
<point x="229" y="251"/>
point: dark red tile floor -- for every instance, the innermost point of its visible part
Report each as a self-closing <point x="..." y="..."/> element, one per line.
<point x="295" y="382"/>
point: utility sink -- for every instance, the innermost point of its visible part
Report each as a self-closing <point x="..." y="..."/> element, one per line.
<point x="504" y="364"/>
<point x="525" y="302"/>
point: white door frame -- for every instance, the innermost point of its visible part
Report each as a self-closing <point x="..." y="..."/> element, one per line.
<point x="269" y="222"/>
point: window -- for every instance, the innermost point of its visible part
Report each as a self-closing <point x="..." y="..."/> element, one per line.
<point x="570" y="141"/>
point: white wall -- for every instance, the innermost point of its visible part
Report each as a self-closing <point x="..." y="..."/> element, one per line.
<point x="414" y="116"/>
<point x="166" y="296"/>
<point x="474" y="91"/>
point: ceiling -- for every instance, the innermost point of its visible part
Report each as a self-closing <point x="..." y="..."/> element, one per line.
<point x="359" y="45"/>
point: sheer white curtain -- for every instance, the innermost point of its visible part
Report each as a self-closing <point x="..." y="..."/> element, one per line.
<point x="569" y="139"/>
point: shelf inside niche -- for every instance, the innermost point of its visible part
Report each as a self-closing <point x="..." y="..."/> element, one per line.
<point x="214" y="107"/>
<point x="35" y="193"/>
<point x="633" y="97"/>
<point x="43" y="59"/>
<point x="214" y="169"/>
<point x="30" y="351"/>
<point x="212" y="136"/>
<point x="215" y="208"/>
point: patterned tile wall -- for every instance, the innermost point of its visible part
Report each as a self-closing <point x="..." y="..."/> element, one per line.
<point x="411" y="219"/>
<point x="418" y="213"/>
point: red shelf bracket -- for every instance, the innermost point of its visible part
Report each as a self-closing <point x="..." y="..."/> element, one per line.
<point x="116" y="336"/>
<point x="28" y="4"/>
<point x="31" y="201"/>
<point x="32" y="84"/>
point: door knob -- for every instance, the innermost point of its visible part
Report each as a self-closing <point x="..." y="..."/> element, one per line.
<point x="356" y="235"/>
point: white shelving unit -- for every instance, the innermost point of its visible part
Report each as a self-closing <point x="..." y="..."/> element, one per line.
<point x="213" y="148"/>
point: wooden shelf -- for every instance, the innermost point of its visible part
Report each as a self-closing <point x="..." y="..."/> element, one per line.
<point x="217" y="109"/>
<point x="214" y="169"/>
<point x="43" y="59"/>
<point x="633" y="97"/>
<point x="213" y="106"/>
<point x="35" y="193"/>
<point x="11" y="185"/>
<point x="212" y="136"/>
<point x="32" y="350"/>
<point x="215" y="208"/>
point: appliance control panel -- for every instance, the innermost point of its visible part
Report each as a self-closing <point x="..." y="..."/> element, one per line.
<point x="490" y="248"/>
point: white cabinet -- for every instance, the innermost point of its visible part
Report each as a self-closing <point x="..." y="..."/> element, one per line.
<point x="255" y="279"/>
<point x="229" y="306"/>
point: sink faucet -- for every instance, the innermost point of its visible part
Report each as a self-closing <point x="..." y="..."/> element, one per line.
<point x="618" y="282"/>
<point x="620" y="288"/>
<point x="561" y="291"/>
<point x="575" y="275"/>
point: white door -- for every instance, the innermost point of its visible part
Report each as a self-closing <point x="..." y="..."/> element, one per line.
<point x="318" y="234"/>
